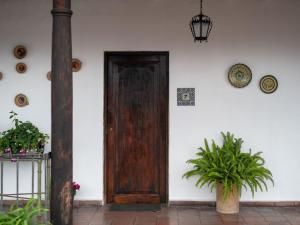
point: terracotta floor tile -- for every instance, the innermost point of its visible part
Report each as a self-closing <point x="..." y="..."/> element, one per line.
<point x="211" y="223"/>
<point x="123" y="221"/>
<point x="167" y="221"/>
<point x="99" y="223"/>
<point x="188" y="216"/>
<point x="289" y="211"/>
<point x="188" y="212"/>
<point x="188" y="222"/>
<point x="268" y="211"/>
<point x="232" y="218"/>
<point x="257" y="223"/>
<point x="295" y="220"/>
<point x="249" y="211"/>
<point x="279" y="223"/>
<point x="276" y="219"/>
<point x="255" y="218"/>
<point x="211" y="219"/>
<point x="234" y="223"/>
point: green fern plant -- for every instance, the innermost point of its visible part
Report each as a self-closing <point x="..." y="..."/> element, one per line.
<point x="30" y="214"/>
<point x="229" y="166"/>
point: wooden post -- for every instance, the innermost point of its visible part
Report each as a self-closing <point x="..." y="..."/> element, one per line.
<point x="61" y="205"/>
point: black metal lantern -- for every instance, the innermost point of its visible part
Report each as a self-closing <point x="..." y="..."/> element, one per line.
<point x="201" y="26"/>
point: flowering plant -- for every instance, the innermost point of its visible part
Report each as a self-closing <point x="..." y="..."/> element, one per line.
<point x="75" y="188"/>
<point x="24" y="138"/>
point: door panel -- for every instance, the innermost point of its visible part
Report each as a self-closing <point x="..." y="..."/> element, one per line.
<point x="136" y="127"/>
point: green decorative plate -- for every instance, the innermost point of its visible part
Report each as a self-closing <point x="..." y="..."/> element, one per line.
<point x="268" y="84"/>
<point x="239" y="75"/>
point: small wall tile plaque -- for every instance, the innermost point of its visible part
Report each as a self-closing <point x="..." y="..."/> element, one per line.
<point x="186" y="96"/>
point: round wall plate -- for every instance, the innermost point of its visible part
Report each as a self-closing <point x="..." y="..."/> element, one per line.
<point x="268" y="84"/>
<point x="21" y="100"/>
<point x="1" y="76"/>
<point x="21" y="67"/>
<point x="49" y="75"/>
<point x="76" y="65"/>
<point x="20" y="52"/>
<point x="239" y="75"/>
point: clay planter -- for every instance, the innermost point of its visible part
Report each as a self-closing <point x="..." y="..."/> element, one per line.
<point x="231" y="204"/>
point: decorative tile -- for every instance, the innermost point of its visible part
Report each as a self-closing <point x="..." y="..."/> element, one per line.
<point x="185" y="96"/>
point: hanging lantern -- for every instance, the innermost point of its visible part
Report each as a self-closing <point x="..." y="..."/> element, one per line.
<point x="201" y="26"/>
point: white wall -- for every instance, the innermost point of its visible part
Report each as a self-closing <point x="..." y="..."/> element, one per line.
<point x="263" y="34"/>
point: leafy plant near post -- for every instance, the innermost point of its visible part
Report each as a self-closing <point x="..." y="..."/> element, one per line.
<point x="229" y="166"/>
<point x="22" y="138"/>
<point x="30" y="214"/>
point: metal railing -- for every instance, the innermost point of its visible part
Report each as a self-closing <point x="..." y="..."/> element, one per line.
<point x="43" y="162"/>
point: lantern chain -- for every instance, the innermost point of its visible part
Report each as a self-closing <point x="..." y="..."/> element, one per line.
<point x="201" y="2"/>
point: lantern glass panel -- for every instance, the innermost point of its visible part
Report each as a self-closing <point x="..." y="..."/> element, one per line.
<point x="205" y="27"/>
<point x="196" y="26"/>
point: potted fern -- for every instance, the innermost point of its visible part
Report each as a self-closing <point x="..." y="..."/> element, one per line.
<point x="227" y="169"/>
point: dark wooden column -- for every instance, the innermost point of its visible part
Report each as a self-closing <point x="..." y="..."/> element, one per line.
<point x="61" y="206"/>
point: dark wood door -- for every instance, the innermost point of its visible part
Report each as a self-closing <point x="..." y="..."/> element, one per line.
<point x="136" y="127"/>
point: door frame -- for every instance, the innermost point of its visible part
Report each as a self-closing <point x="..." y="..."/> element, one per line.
<point x="107" y="54"/>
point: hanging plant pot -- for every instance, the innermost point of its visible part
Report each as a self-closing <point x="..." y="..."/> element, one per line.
<point x="230" y="205"/>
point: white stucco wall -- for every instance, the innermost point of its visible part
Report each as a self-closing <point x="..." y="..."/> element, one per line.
<point x="264" y="34"/>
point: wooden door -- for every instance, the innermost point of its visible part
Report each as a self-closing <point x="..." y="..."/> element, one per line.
<point x="136" y="127"/>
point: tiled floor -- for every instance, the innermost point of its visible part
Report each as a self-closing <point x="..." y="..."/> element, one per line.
<point x="189" y="216"/>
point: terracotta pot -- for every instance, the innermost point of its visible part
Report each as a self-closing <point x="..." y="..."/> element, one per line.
<point x="229" y="205"/>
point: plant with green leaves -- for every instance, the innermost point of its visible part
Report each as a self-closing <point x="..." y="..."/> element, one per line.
<point x="31" y="214"/>
<point x="230" y="166"/>
<point x="23" y="137"/>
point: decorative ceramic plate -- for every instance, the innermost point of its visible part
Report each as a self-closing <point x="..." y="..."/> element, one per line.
<point x="239" y="75"/>
<point x="268" y="84"/>
<point x="20" y="51"/>
<point x="21" y="67"/>
<point x="49" y="75"/>
<point x="21" y="100"/>
<point x="76" y="65"/>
